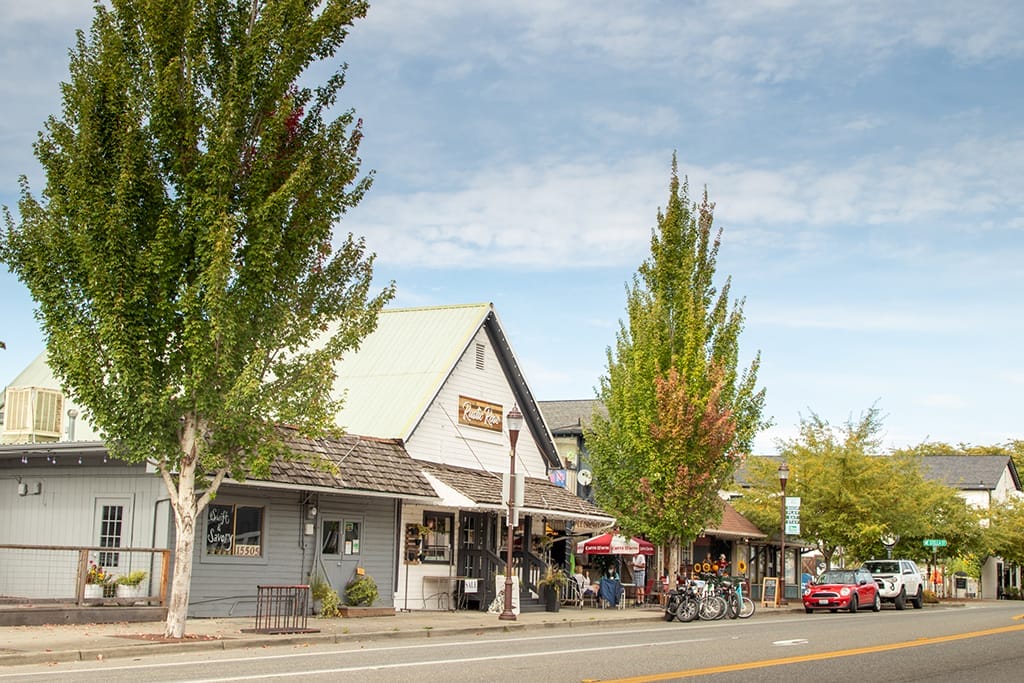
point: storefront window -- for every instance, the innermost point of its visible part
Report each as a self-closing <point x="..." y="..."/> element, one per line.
<point x="437" y="541"/>
<point x="352" y="538"/>
<point x="234" y="530"/>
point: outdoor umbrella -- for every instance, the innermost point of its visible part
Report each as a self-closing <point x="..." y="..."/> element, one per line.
<point x="614" y="544"/>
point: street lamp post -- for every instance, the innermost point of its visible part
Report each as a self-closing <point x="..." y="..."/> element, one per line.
<point x="783" y="478"/>
<point x="514" y="419"/>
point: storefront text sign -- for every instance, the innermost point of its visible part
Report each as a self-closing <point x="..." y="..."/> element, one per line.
<point x="477" y="413"/>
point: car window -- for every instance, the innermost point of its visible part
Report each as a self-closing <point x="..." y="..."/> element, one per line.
<point x="836" y="577"/>
<point x="882" y="567"/>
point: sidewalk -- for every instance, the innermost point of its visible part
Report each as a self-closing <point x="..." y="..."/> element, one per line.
<point x="75" y="642"/>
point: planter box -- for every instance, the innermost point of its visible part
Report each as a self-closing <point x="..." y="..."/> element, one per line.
<point x="93" y="591"/>
<point x="130" y="592"/>
<point x="367" y="611"/>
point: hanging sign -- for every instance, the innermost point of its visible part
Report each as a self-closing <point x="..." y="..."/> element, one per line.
<point x="793" y="515"/>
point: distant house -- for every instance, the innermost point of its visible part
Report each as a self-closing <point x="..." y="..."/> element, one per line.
<point x="414" y="499"/>
<point x="982" y="481"/>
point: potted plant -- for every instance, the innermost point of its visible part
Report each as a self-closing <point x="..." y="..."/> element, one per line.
<point x="551" y="586"/>
<point x="96" y="581"/>
<point x="130" y="585"/>
<point x="361" y="591"/>
<point x="325" y="598"/>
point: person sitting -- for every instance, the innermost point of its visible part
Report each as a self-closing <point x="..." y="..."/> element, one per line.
<point x="587" y="588"/>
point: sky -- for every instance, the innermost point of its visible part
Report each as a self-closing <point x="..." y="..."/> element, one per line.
<point x="866" y="160"/>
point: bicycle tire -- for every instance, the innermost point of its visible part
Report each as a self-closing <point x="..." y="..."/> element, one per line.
<point x="687" y="610"/>
<point x="747" y="610"/>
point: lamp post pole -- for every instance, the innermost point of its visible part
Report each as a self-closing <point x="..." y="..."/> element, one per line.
<point x="783" y="478"/>
<point x="514" y="418"/>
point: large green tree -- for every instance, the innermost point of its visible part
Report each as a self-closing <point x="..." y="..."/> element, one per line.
<point x="182" y="255"/>
<point x="679" y="408"/>
<point x="851" y="495"/>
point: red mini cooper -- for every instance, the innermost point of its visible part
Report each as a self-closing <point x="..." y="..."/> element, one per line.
<point x="838" y="589"/>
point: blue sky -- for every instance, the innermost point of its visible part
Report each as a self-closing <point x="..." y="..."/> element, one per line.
<point x="866" y="159"/>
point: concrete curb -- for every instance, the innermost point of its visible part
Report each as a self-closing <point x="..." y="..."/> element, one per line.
<point x="115" y="650"/>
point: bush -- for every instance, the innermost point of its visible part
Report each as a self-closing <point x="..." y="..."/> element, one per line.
<point x="132" y="578"/>
<point x="361" y="591"/>
<point x="330" y="604"/>
<point x="930" y="597"/>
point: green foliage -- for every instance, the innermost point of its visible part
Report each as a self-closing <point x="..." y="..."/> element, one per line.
<point x="190" y="285"/>
<point x="132" y="578"/>
<point x="554" y="577"/>
<point x="850" y="496"/>
<point x="330" y="604"/>
<point x="1005" y="533"/>
<point x="679" y="410"/>
<point x="361" y="591"/>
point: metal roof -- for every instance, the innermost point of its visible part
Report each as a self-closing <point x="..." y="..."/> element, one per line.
<point x="399" y="368"/>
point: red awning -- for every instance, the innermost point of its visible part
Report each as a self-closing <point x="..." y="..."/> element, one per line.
<point x="614" y="544"/>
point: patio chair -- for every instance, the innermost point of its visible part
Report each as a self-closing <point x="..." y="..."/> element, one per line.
<point x="572" y="594"/>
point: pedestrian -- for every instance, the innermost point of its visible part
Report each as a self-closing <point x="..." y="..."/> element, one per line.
<point x="640" y="575"/>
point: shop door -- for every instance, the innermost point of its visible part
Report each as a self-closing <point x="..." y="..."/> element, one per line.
<point x="340" y="549"/>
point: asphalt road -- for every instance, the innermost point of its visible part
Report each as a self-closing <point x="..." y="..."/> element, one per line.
<point x="974" y="643"/>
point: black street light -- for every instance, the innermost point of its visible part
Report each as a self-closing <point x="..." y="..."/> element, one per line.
<point x="783" y="478"/>
<point x="514" y="419"/>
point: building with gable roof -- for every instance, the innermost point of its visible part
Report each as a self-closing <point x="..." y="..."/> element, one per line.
<point x="411" y="495"/>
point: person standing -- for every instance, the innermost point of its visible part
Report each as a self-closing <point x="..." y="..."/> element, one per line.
<point x="639" y="576"/>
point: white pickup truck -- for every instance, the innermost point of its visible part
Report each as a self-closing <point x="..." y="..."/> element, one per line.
<point x="898" y="581"/>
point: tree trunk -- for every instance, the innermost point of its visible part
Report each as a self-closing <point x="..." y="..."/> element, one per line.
<point x="184" y="505"/>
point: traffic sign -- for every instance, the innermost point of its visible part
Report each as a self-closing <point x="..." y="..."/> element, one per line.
<point x="934" y="542"/>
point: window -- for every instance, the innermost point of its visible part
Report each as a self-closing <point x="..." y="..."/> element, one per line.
<point x="352" y="538"/>
<point x="340" y="538"/>
<point x="437" y="541"/>
<point x="234" y="530"/>
<point x="111" y="529"/>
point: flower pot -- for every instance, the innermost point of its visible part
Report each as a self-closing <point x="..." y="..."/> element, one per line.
<point x="93" y="591"/>
<point x="127" y="591"/>
<point x="550" y="596"/>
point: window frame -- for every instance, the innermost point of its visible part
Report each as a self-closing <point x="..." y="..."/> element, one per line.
<point x="445" y="557"/>
<point x="214" y="558"/>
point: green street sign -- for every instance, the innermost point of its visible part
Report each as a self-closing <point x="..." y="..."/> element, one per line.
<point x="934" y="542"/>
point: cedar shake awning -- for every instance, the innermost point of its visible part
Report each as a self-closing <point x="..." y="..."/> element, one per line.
<point x="481" y="490"/>
<point x="358" y="465"/>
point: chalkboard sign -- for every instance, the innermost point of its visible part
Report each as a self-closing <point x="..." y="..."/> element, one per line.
<point x="961" y="582"/>
<point x="219" y="529"/>
<point x="768" y="590"/>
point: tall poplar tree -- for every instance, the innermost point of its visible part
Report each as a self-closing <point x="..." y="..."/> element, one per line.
<point x="679" y="408"/>
<point x="190" y="287"/>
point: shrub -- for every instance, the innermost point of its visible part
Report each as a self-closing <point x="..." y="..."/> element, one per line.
<point x="132" y="578"/>
<point x="361" y="591"/>
<point x="930" y="597"/>
<point x="330" y="604"/>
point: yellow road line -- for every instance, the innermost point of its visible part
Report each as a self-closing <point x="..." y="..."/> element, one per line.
<point x="669" y="675"/>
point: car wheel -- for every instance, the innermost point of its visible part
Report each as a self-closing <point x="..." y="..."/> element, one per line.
<point x="918" y="600"/>
<point x="901" y="600"/>
<point x="877" y="606"/>
<point x="853" y="604"/>
<point x="808" y="610"/>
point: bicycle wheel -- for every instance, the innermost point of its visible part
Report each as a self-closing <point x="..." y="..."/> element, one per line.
<point x="732" y="605"/>
<point x="747" y="609"/>
<point x="687" y="610"/>
<point x="712" y="607"/>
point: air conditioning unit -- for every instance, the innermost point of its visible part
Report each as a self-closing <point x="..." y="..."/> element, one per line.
<point x="32" y="414"/>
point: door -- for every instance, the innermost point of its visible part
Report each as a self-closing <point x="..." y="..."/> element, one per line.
<point x="340" y="549"/>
